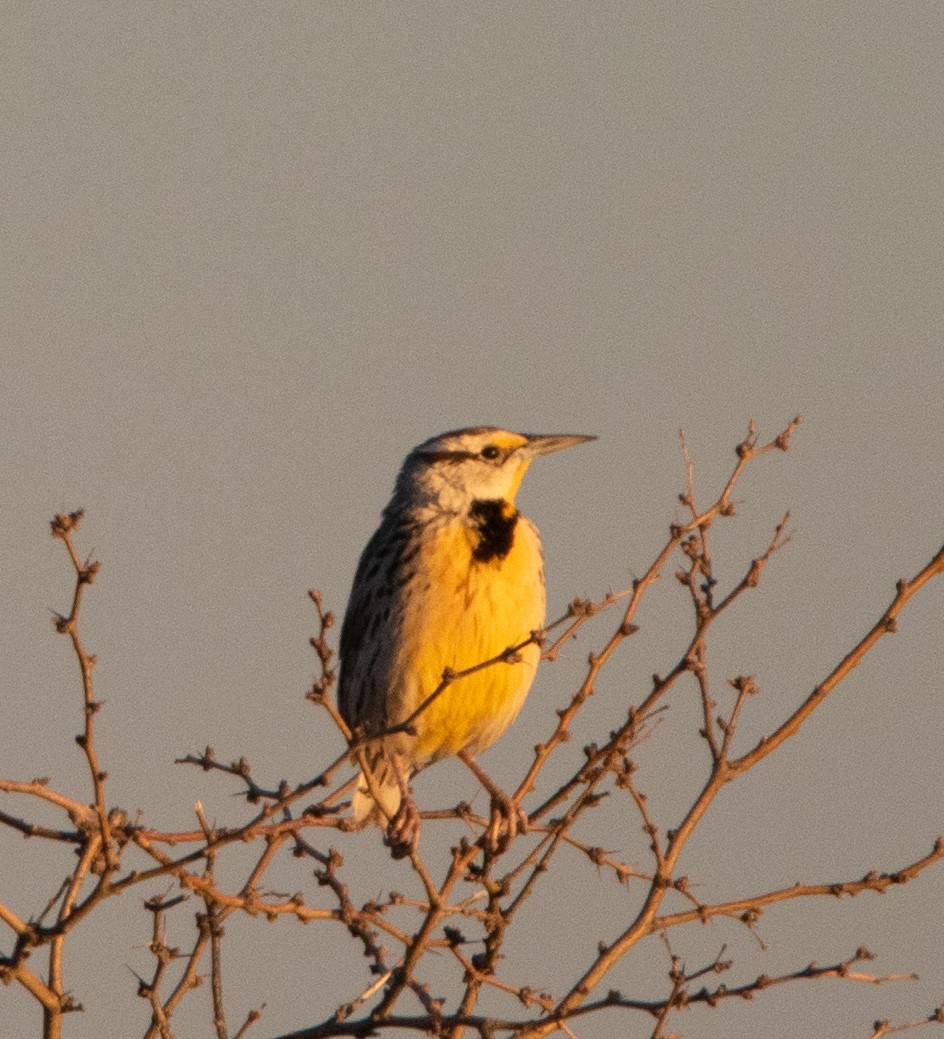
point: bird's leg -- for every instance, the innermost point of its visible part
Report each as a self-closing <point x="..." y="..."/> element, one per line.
<point x="508" y="817"/>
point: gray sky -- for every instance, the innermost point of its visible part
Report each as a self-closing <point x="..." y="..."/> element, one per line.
<point x="252" y="255"/>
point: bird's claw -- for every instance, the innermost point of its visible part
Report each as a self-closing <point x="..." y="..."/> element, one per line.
<point x="403" y="830"/>
<point x="509" y="820"/>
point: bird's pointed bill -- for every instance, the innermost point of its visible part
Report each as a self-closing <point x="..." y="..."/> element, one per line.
<point x="540" y="444"/>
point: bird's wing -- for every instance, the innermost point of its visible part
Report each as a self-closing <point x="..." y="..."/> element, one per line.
<point x="369" y="633"/>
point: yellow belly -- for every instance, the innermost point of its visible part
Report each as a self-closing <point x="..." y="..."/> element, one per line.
<point x="465" y="613"/>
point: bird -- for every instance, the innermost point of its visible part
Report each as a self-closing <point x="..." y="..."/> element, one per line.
<point x="452" y="578"/>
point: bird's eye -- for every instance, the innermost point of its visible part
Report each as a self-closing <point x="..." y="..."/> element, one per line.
<point x="491" y="451"/>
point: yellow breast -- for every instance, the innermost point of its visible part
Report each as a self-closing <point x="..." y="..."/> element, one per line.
<point x="461" y="612"/>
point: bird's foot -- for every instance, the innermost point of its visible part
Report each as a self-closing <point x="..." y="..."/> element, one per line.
<point x="403" y="830"/>
<point x="509" y="820"/>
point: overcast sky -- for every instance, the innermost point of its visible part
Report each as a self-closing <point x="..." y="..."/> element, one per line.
<point x="252" y="254"/>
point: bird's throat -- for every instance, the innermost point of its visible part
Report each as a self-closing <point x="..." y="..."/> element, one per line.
<point x="493" y="522"/>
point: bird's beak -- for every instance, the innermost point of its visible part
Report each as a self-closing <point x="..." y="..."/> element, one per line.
<point x="539" y="444"/>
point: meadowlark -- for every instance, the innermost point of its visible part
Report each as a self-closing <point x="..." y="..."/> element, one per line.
<point x="453" y="577"/>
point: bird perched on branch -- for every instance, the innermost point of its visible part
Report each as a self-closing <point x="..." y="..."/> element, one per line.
<point x="452" y="578"/>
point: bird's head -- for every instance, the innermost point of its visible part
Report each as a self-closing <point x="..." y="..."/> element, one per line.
<point x="451" y="471"/>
